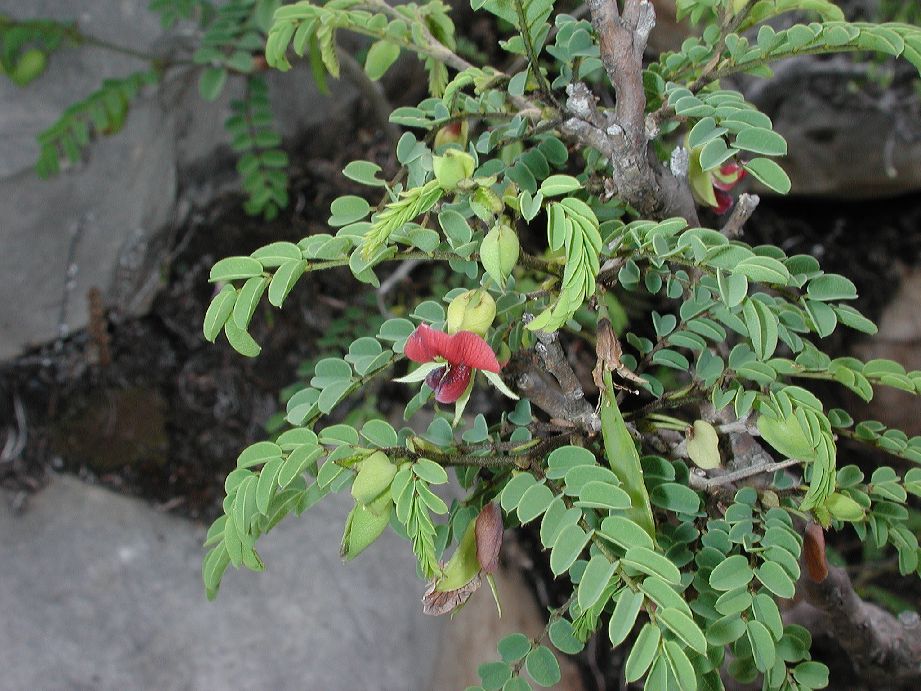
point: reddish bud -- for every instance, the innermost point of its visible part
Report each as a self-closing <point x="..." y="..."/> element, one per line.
<point x="489" y="537"/>
<point x="814" y="553"/>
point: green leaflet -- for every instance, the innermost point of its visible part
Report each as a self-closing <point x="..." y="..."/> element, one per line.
<point x="395" y="215"/>
<point x="572" y="226"/>
<point x="624" y="458"/>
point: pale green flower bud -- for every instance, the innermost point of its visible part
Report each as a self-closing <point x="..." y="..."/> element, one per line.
<point x="473" y="310"/>
<point x="453" y="167"/>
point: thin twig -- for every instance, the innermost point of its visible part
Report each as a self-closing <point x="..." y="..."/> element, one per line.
<point x="745" y="207"/>
<point x="702" y="483"/>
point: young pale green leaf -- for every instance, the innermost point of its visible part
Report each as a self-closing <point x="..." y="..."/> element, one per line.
<point x="762" y="325"/>
<point x="602" y="495"/>
<point x="762" y="644"/>
<point x="594" y="580"/>
<point x="768" y="173"/>
<point x="763" y="270"/>
<point x="569" y="544"/>
<point x="734" y="572"/>
<point x="812" y="675"/>
<point x="298" y="461"/>
<point x="625" y="533"/>
<point x="234" y="268"/>
<point x="676" y="497"/>
<point x="703" y="445"/>
<point x="684" y="628"/>
<point x="760" y="140"/>
<point x="240" y="340"/>
<point x="248" y="299"/>
<point x="624" y="617"/>
<point x="276" y="254"/>
<point x="644" y="650"/>
<point x="496" y="380"/>
<point x="284" y="279"/>
<point x="381" y="56"/>
<point x="681" y="668"/>
<point x="535" y="500"/>
<point x="726" y="630"/>
<point x="559" y="184"/>
<point x="829" y="287"/>
<point x="775" y="579"/>
<point x="265" y="486"/>
<point x="653" y="564"/>
<point x="514" y="491"/>
<point x="364" y="172"/>
<point x="715" y="153"/>
<point x="219" y="312"/>
<point x="733" y="287"/>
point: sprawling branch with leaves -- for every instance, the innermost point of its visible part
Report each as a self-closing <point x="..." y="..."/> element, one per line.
<point x="682" y="500"/>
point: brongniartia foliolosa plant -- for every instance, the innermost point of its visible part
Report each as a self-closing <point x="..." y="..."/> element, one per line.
<point x="679" y="502"/>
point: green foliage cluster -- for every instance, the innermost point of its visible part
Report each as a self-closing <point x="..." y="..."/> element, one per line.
<point x="689" y="579"/>
<point x="668" y="553"/>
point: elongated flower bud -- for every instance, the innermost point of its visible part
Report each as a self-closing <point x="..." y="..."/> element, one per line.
<point x="374" y="477"/>
<point x="499" y="253"/>
<point x="489" y="531"/>
<point x="361" y="529"/>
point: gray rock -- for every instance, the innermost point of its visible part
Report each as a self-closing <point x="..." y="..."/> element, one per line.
<point x="103" y="223"/>
<point x="101" y="592"/>
<point x="842" y="142"/>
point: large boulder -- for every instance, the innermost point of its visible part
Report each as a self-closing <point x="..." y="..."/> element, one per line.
<point x="104" y="222"/>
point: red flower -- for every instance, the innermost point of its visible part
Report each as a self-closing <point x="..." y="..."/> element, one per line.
<point x="462" y="353"/>
<point x="729" y="175"/>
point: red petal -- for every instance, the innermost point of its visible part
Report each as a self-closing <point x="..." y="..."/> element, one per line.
<point x="452" y="384"/>
<point x="729" y="175"/>
<point x="425" y="343"/>
<point x="723" y="202"/>
<point x="466" y="348"/>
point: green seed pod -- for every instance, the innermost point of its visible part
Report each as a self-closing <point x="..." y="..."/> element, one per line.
<point x="374" y="477"/>
<point x="453" y="167"/>
<point x="361" y="529"/>
<point x="473" y="310"/>
<point x="30" y="66"/>
<point x="499" y="253"/>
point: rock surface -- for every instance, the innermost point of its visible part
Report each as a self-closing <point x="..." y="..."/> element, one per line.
<point x="103" y="223"/>
<point x="104" y="592"/>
